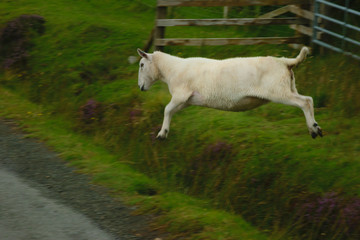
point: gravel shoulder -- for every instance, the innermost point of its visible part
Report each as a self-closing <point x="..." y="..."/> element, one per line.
<point x="53" y="194"/>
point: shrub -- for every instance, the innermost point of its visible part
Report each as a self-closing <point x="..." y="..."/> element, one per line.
<point x="15" y="39"/>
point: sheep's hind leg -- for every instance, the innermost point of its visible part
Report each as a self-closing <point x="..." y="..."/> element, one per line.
<point x="306" y="104"/>
<point x="308" y="109"/>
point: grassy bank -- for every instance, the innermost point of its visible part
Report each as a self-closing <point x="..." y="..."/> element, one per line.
<point x="180" y="215"/>
<point x="261" y="165"/>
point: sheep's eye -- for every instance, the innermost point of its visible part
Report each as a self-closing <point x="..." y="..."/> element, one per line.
<point x="141" y="65"/>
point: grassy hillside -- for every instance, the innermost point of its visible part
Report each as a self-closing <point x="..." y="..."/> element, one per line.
<point x="261" y="165"/>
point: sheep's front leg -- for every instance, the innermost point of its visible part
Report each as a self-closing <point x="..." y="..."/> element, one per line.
<point x="174" y="105"/>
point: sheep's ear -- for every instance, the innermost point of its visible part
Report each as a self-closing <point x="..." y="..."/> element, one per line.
<point x="142" y="53"/>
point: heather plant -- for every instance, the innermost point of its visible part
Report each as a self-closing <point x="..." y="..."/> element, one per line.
<point x="330" y="215"/>
<point x="351" y="216"/>
<point x="15" y="39"/>
<point x="91" y="112"/>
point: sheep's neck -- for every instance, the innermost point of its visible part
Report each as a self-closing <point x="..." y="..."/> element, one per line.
<point x="166" y="65"/>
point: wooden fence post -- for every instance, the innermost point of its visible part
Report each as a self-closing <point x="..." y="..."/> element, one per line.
<point x="161" y="13"/>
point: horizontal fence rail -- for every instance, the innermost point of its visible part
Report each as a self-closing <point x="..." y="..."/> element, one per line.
<point x="228" y="22"/>
<point x="226" y="41"/>
<point x="299" y="23"/>
<point x="230" y="3"/>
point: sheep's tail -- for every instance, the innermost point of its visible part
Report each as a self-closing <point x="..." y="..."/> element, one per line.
<point x="291" y="62"/>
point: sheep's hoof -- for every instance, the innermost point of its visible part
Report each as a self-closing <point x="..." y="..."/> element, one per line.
<point x="162" y="136"/>
<point x="316" y="131"/>
<point x="320" y="132"/>
<point x="313" y="135"/>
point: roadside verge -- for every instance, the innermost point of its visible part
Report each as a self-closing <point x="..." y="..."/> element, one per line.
<point x="181" y="215"/>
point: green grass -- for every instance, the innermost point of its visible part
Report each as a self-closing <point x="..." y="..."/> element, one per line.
<point x="268" y="166"/>
<point x="179" y="214"/>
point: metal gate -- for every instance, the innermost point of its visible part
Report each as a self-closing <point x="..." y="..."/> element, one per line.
<point x="344" y="44"/>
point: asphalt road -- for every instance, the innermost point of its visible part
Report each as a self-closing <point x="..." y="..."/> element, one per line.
<point x="26" y="214"/>
<point x="44" y="199"/>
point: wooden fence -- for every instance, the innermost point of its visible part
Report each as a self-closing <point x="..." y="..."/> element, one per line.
<point x="300" y="22"/>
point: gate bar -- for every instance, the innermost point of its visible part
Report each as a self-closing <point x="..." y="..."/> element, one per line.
<point x="339" y="7"/>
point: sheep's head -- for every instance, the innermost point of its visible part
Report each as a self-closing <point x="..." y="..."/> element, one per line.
<point x="148" y="73"/>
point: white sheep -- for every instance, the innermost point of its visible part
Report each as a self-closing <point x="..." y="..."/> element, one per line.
<point x="235" y="84"/>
